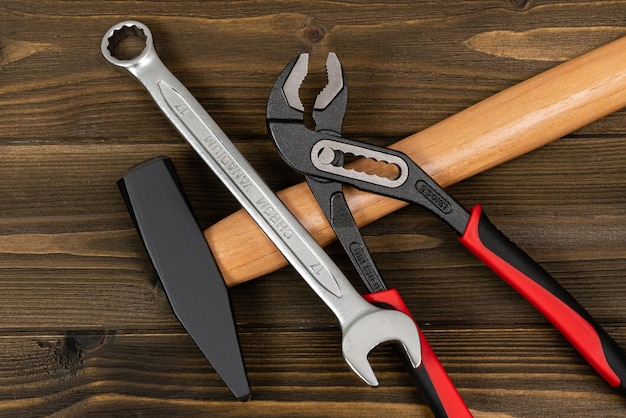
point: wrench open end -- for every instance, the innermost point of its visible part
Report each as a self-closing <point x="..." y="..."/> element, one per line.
<point x="113" y="46"/>
<point x="375" y="328"/>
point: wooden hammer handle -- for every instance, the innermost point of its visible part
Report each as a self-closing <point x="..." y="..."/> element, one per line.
<point x="497" y="129"/>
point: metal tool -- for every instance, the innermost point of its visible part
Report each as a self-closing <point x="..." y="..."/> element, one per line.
<point x="184" y="263"/>
<point x="434" y="384"/>
<point x="430" y="377"/>
<point x="322" y="155"/>
<point x="363" y="325"/>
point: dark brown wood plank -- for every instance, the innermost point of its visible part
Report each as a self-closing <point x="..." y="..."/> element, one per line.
<point x="86" y="330"/>
<point x="292" y="373"/>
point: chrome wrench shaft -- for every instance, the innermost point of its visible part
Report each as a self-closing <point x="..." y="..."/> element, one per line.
<point x="363" y="325"/>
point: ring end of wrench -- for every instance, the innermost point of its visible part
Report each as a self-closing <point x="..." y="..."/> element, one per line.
<point x="116" y="34"/>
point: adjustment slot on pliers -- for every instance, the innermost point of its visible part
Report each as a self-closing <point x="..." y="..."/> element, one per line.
<point x="329" y="156"/>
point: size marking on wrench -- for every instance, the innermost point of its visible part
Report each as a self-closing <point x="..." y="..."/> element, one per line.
<point x="193" y="122"/>
<point x="363" y="325"/>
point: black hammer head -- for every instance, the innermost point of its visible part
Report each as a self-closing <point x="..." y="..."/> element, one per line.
<point x="184" y="263"/>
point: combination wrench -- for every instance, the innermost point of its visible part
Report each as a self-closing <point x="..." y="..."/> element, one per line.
<point x="363" y="325"/>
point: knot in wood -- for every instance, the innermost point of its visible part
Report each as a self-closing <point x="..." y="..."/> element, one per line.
<point x="520" y="4"/>
<point x="314" y="34"/>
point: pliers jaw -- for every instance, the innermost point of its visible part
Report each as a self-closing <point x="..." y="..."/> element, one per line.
<point x="285" y="111"/>
<point x="330" y="105"/>
<point x="284" y="103"/>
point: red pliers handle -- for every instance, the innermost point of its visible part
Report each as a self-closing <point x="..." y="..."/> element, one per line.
<point x="539" y="288"/>
<point x="430" y="377"/>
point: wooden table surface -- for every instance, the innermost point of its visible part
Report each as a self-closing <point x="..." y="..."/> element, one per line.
<point x="86" y="330"/>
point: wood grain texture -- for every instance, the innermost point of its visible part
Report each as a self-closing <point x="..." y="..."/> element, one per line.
<point x="85" y="330"/>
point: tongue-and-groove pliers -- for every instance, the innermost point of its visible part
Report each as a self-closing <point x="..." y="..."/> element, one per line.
<point x="322" y="155"/>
